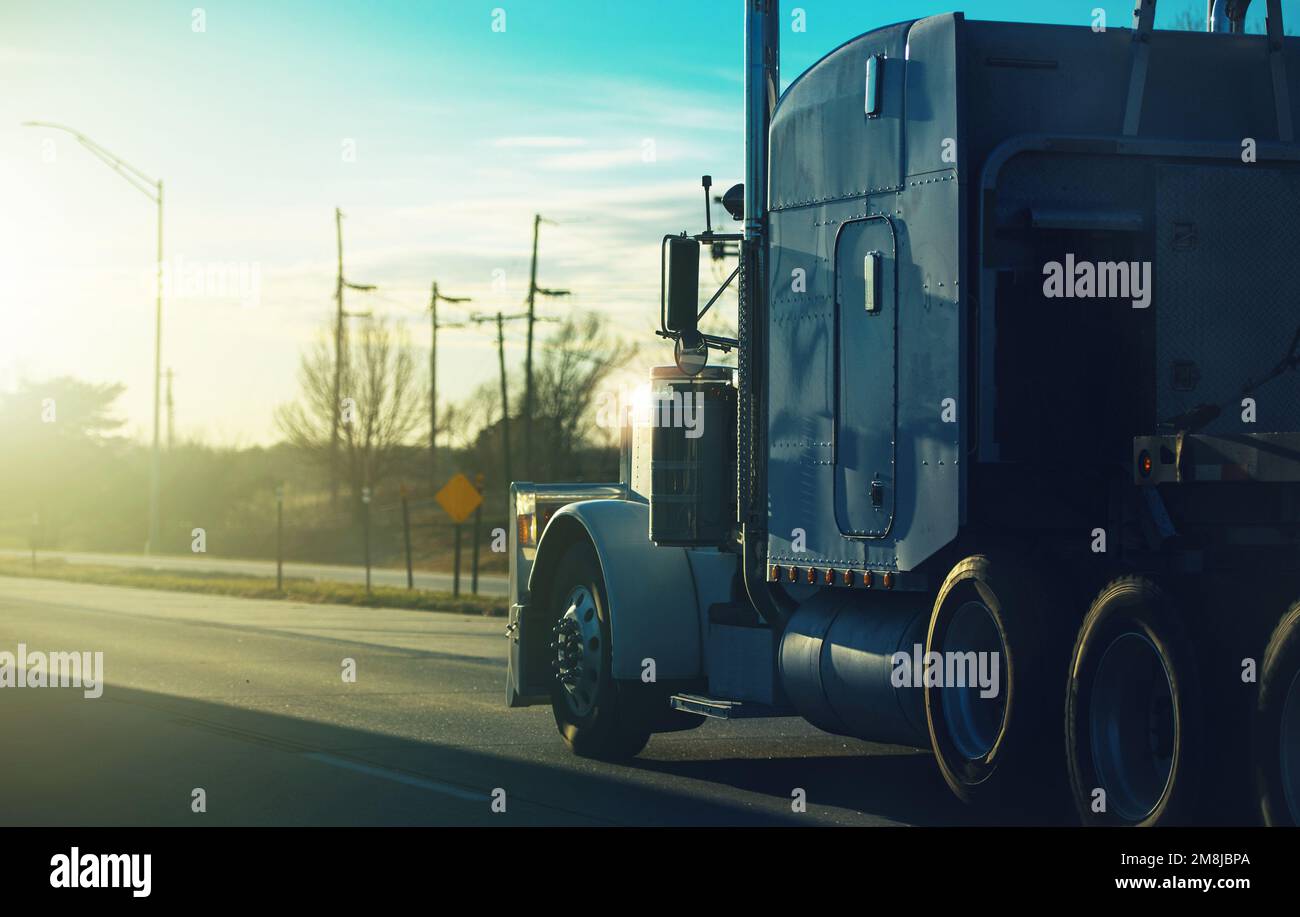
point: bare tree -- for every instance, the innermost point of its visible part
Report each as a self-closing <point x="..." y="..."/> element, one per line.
<point x="1188" y="21"/>
<point x="382" y="403"/>
<point x="576" y="361"/>
<point x="465" y="421"/>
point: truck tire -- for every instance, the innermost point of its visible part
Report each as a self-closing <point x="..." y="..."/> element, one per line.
<point x="597" y="716"/>
<point x="1133" y="720"/>
<point x="1276" y="726"/>
<point x="991" y="750"/>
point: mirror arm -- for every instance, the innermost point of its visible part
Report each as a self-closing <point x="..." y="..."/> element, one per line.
<point x="726" y="283"/>
<point x="726" y="345"/>
<point x="719" y="237"/>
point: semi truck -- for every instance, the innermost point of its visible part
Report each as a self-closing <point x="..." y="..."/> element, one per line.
<point x="1005" y="463"/>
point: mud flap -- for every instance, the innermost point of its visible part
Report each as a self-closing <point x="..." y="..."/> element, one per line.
<point x="520" y="692"/>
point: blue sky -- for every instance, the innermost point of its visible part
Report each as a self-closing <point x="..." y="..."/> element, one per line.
<point x="601" y="115"/>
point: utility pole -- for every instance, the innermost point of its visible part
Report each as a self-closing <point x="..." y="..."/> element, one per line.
<point x="338" y="355"/>
<point x="434" y="297"/>
<point x="500" y="320"/>
<point x="505" y="397"/>
<point x="533" y="290"/>
<point x="171" y="412"/>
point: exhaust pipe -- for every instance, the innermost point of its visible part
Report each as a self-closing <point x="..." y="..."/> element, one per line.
<point x="1227" y="16"/>
<point x="762" y="86"/>
<point x="1230" y="16"/>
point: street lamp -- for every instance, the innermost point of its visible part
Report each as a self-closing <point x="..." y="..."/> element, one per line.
<point x="152" y="189"/>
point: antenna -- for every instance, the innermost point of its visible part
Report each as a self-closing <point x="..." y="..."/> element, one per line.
<point x="707" y="182"/>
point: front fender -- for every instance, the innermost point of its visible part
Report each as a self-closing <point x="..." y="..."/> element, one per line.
<point x="654" y="611"/>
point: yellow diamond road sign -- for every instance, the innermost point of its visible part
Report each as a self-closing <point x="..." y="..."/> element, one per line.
<point x="459" y="498"/>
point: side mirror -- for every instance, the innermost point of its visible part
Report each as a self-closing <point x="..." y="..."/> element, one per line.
<point x="683" y="284"/>
<point x="734" y="201"/>
<point x="691" y="353"/>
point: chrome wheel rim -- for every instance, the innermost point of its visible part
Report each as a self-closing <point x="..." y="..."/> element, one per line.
<point x="579" y="653"/>
<point x="1132" y="726"/>
<point x="973" y="722"/>
<point x="1289" y="748"/>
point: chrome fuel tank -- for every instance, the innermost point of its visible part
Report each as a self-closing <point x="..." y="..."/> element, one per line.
<point x="836" y="659"/>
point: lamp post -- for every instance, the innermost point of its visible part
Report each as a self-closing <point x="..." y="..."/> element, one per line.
<point x="152" y="189"/>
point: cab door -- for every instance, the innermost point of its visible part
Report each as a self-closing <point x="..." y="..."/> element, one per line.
<point x="866" y="325"/>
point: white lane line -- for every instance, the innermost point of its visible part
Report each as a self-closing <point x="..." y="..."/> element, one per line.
<point x="384" y="773"/>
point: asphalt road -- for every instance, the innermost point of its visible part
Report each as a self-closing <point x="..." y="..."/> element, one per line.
<point x="489" y="584"/>
<point x="246" y="700"/>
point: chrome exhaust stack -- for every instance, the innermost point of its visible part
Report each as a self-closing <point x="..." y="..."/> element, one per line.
<point x="762" y="88"/>
<point x="1226" y="16"/>
<point x="1229" y="16"/>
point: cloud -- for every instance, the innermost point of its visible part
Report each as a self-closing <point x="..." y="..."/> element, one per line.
<point x="12" y="55"/>
<point x="538" y="143"/>
<point x="592" y="160"/>
<point x="419" y="205"/>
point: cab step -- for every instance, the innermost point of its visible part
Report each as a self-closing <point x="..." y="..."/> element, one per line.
<point x="724" y="709"/>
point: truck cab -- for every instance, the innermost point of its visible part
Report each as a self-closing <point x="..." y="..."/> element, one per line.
<point x="1007" y="461"/>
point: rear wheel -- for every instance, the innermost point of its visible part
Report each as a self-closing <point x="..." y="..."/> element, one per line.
<point x="1276" y="727"/>
<point x="1133" y="733"/>
<point x="992" y="735"/>
<point x="598" y="716"/>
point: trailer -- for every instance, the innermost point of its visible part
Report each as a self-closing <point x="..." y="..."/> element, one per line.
<point x="1008" y="462"/>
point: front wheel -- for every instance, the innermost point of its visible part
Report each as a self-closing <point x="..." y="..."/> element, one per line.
<point x="598" y="716"/>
